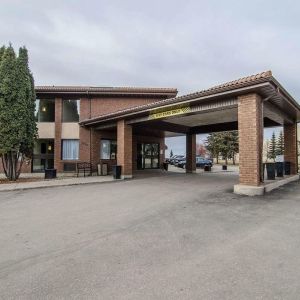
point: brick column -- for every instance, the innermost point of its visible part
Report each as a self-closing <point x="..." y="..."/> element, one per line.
<point x="290" y="146"/>
<point x="85" y="133"/>
<point x="250" y="139"/>
<point x="57" y="142"/>
<point x="95" y="146"/>
<point x="124" y="148"/>
<point x="190" y="153"/>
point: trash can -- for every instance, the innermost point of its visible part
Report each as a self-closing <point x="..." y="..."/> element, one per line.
<point x="279" y="169"/>
<point x="207" y="168"/>
<point x="50" y="173"/>
<point x="104" y="169"/>
<point x="224" y="167"/>
<point x="270" y="171"/>
<point x="166" y="166"/>
<point x="287" y="168"/>
<point x="117" y="172"/>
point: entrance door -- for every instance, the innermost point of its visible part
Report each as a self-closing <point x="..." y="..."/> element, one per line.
<point x="43" y="155"/>
<point x="148" y="156"/>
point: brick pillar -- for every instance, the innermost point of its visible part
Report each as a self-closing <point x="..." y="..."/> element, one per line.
<point x="95" y="146"/>
<point x="85" y="133"/>
<point x="250" y="138"/>
<point x="124" y="150"/>
<point x="290" y="146"/>
<point x="190" y="153"/>
<point x="57" y="142"/>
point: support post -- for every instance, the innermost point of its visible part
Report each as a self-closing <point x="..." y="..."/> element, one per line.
<point x="250" y="123"/>
<point x="190" y="153"/>
<point x="124" y="148"/>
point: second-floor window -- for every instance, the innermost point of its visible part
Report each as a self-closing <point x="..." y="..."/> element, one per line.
<point x="71" y="109"/>
<point x="45" y="110"/>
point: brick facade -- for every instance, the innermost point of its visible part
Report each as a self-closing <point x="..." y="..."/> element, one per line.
<point x="250" y="139"/>
<point x="105" y="105"/>
<point x="190" y="153"/>
<point x="290" y="146"/>
<point x="89" y="145"/>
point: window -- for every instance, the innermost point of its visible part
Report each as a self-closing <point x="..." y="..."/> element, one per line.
<point x="45" y="110"/>
<point x="70" y="149"/>
<point x="108" y="149"/>
<point x="71" y="110"/>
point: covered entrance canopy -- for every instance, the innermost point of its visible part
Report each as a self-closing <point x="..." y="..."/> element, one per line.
<point x="248" y="105"/>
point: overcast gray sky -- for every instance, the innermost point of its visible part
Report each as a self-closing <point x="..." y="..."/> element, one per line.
<point x="190" y="45"/>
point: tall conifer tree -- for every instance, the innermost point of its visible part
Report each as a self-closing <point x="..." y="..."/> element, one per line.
<point x="17" y="105"/>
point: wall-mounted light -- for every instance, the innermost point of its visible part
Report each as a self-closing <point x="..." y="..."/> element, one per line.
<point x="49" y="148"/>
<point x="44" y="108"/>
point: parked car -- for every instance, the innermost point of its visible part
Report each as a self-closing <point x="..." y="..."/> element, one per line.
<point x="174" y="157"/>
<point x="201" y="162"/>
<point x="178" y="160"/>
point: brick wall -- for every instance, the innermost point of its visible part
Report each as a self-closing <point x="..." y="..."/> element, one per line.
<point x="250" y="138"/>
<point x="105" y="105"/>
<point x="89" y="146"/>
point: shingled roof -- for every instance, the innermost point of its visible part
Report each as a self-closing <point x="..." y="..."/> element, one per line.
<point x="231" y="85"/>
<point x="92" y="90"/>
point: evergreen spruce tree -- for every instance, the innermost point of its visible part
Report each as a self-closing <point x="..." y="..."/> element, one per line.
<point x="280" y="144"/>
<point x="2" y="49"/>
<point x="272" y="147"/>
<point x="211" y="146"/>
<point x="171" y="153"/>
<point x="17" y="104"/>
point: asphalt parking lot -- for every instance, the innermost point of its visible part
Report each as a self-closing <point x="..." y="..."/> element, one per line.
<point x="173" y="236"/>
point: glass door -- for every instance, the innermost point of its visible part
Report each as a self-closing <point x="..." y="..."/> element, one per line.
<point x="147" y="156"/>
<point x="43" y="155"/>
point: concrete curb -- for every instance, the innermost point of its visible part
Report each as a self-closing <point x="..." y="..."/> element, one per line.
<point x="274" y="185"/>
<point x="247" y="190"/>
<point x="54" y="183"/>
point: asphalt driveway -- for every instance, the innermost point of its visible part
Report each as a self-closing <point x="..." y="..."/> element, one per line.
<point x="156" y="237"/>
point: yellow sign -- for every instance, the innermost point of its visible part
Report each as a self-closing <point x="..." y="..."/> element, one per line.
<point x="170" y="113"/>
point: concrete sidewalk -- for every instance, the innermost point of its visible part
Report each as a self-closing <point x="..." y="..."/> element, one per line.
<point x="54" y="183"/>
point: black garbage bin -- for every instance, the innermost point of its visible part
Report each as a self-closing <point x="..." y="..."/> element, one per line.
<point x="287" y="168"/>
<point x="50" y="173"/>
<point x="117" y="171"/>
<point x="270" y="171"/>
<point x="166" y="166"/>
<point x="207" y="168"/>
<point x="224" y="167"/>
<point x="279" y="169"/>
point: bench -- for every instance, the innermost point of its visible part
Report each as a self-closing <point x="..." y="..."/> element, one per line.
<point x="85" y="168"/>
